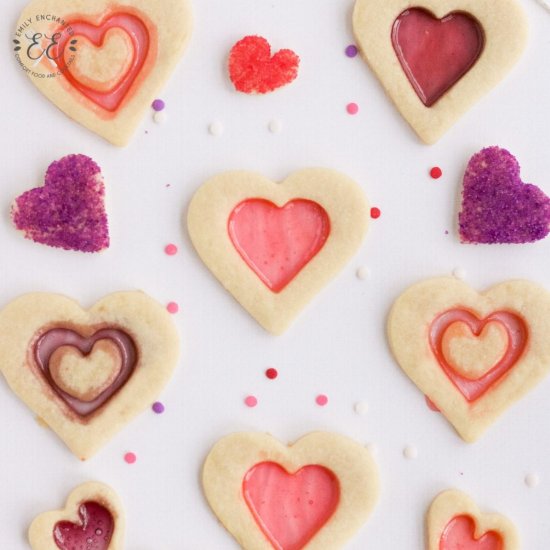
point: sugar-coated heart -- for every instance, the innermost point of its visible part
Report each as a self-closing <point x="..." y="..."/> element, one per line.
<point x="253" y="70"/>
<point x="460" y="535"/>
<point x="94" y="532"/>
<point x="497" y="207"/>
<point x="291" y="508"/>
<point x="436" y="53"/>
<point x="277" y="243"/>
<point x="68" y="211"/>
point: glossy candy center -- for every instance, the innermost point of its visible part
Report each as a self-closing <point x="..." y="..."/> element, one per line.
<point x="460" y="535"/>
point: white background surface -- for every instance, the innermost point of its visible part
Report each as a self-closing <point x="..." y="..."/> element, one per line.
<point x="338" y="345"/>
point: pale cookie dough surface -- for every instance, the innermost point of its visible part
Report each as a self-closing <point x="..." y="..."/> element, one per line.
<point x="168" y="24"/>
<point x="41" y="529"/>
<point x="409" y="326"/>
<point x="451" y="504"/>
<point x="234" y="456"/>
<point x="207" y="220"/>
<point x="147" y="323"/>
<point x="505" y="28"/>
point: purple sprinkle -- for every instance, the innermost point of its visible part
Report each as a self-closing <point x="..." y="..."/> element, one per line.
<point x="158" y="105"/>
<point x="158" y="407"/>
<point x="497" y="207"/>
<point x="351" y="50"/>
<point x="68" y="211"/>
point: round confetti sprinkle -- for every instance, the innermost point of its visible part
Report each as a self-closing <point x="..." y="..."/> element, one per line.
<point x="158" y="407"/>
<point x="130" y="458"/>
<point x="158" y="105"/>
<point x="159" y="117"/>
<point x="361" y="408"/>
<point x="532" y="480"/>
<point x="271" y="373"/>
<point x="172" y="308"/>
<point x="321" y="400"/>
<point x="251" y="401"/>
<point x="410" y="452"/>
<point x="352" y="108"/>
<point x="215" y="128"/>
<point x="459" y="273"/>
<point x="171" y="249"/>
<point x="375" y="213"/>
<point x="275" y="126"/>
<point x="363" y="273"/>
<point x="436" y="172"/>
<point x="351" y="50"/>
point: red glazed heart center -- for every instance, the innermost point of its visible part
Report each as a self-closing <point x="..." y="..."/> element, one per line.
<point x="277" y="243"/>
<point x="436" y="53"/>
<point x="94" y="532"/>
<point x="290" y="508"/>
<point x="460" y="535"/>
<point x="471" y="387"/>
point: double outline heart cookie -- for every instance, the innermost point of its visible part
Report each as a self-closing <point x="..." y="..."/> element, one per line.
<point x="48" y="526"/>
<point x="504" y="27"/>
<point x="437" y="325"/>
<point x="154" y="35"/>
<point x="326" y="197"/>
<point x="454" y="518"/>
<point x="334" y="477"/>
<point x="48" y="343"/>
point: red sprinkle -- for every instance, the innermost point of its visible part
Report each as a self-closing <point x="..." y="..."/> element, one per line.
<point x="130" y="458"/>
<point x="171" y="249"/>
<point x="375" y="213"/>
<point x="436" y="172"/>
<point x="271" y="373"/>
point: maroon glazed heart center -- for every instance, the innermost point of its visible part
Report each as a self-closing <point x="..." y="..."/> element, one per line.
<point x="57" y="338"/>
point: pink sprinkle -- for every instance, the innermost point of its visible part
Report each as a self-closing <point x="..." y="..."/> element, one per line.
<point x="171" y="249"/>
<point x="130" y="458"/>
<point x="173" y="308"/>
<point x="352" y="108"/>
<point x="321" y="400"/>
<point x="271" y="373"/>
<point x="251" y="401"/>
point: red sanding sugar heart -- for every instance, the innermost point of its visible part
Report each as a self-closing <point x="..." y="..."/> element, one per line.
<point x="253" y="70"/>
<point x="460" y="535"/>
<point x="68" y="211"/>
<point x="497" y="207"/>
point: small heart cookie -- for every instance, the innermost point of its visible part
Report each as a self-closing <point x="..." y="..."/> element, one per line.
<point x="274" y="246"/>
<point x="102" y="63"/>
<point x="472" y="354"/>
<point x="92" y="518"/>
<point x="313" y="494"/>
<point x="87" y="373"/>
<point x="454" y="521"/>
<point x="436" y="58"/>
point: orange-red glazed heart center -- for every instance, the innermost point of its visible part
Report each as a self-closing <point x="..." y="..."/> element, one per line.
<point x="459" y="534"/>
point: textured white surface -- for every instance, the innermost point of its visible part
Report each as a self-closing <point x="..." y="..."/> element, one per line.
<point x="338" y="345"/>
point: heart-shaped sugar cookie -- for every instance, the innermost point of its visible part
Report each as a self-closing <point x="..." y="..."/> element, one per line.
<point x="314" y="494"/>
<point x="454" y="521"/>
<point x="432" y="321"/>
<point x="436" y="58"/>
<point x="102" y="63"/>
<point x="92" y="518"/>
<point x="87" y="373"/>
<point x="274" y="246"/>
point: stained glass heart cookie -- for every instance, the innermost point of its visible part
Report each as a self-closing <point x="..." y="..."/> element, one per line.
<point x="92" y="519"/>
<point x="437" y="58"/>
<point x="473" y="355"/>
<point x="86" y="373"/>
<point x="275" y="246"/>
<point x="100" y="62"/>
<point x="313" y="494"/>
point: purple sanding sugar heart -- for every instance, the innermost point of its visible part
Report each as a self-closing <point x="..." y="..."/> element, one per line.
<point x="497" y="207"/>
<point x="68" y="211"/>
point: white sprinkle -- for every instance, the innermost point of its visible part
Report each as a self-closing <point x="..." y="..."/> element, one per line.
<point x="410" y="452"/>
<point x="532" y="480"/>
<point x="216" y="128"/>
<point x="275" y="126"/>
<point x="459" y="273"/>
<point x="159" y="117"/>
<point x="361" y="408"/>
<point x="363" y="273"/>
